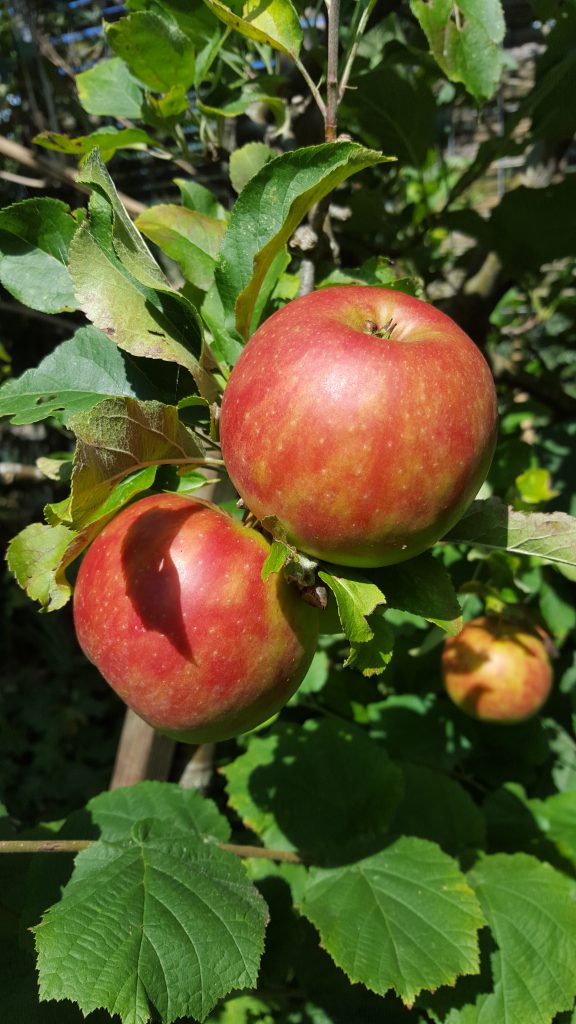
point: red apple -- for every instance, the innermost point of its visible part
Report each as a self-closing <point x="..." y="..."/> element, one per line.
<point x="363" y="419"/>
<point x="497" y="671"/>
<point x="170" y="606"/>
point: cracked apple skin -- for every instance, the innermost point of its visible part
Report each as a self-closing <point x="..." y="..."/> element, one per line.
<point x="170" y="606"/>
<point x="497" y="671"/>
<point x="366" y="448"/>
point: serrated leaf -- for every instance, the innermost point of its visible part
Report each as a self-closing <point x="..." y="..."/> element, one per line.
<point x="422" y="587"/>
<point x="324" y="789"/>
<point x="275" y="559"/>
<point x="196" y="197"/>
<point x="531" y="910"/>
<point x="192" y="239"/>
<point x="240" y="105"/>
<point x="266" y="214"/>
<point x="108" y="89"/>
<point x="356" y="598"/>
<point x="117" y="437"/>
<point x="246" y="161"/>
<point x="436" y="807"/>
<point x="466" y="40"/>
<point x="164" y="924"/>
<point x="38" y="557"/>
<point x="274" y="22"/>
<point x="155" y="50"/>
<point x="372" y="657"/>
<point x="123" y="290"/>
<point x="108" y="140"/>
<point x="556" y="816"/>
<point x="411" y="919"/>
<point x="73" y="378"/>
<point x="34" y="239"/>
<point x="492" y="524"/>
<point x="184" y="810"/>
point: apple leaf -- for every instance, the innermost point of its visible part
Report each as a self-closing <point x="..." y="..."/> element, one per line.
<point x="356" y="597"/>
<point x="156" y="922"/>
<point x="38" y="557"/>
<point x="411" y="919"/>
<point x="266" y="214"/>
<point x="123" y="291"/>
<point x="109" y="89"/>
<point x="466" y="40"/>
<point x="246" y="161"/>
<point x="276" y="558"/>
<point x="556" y="817"/>
<point x="73" y="378"/>
<point x="197" y="197"/>
<point x="275" y="788"/>
<point x="274" y="22"/>
<point x="373" y="656"/>
<point x="35" y="236"/>
<point x="423" y="587"/>
<point x="117" y="437"/>
<point x="155" y="50"/>
<point x="531" y="910"/>
<point x="436" y="807"/>
<point x="108" y="140"/>
<point x="192" y="239"/>
<point x="492" y="524"/>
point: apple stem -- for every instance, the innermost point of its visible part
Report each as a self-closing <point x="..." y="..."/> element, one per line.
<point x="380" y="332"/>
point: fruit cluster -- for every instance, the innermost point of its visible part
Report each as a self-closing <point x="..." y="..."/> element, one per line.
<point x="361" y="422"/>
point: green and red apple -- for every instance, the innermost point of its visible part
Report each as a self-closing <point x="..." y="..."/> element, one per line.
<point x="363" y="421"/>
<point x="170" y="606"/>
<point x="497" y="671"/>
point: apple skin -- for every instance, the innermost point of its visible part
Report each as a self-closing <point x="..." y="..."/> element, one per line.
<point x="497" y="671"/>
<point x="170" y="606"/>
<point x="366" y="449"/>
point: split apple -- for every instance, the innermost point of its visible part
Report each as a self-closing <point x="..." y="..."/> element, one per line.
<point x="362" y="421"/>
<point x="170" y="606"/>
<point x="497" y="671"/>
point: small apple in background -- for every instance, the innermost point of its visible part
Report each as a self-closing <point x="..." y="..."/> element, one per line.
<point x="363" y="420"/>
<point x="170" y="606"/>
<point x="497" y="671"/>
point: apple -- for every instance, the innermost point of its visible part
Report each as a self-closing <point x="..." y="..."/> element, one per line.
<point x="497" y="671"/>
<point x="362" y="420"/>
<point x="170" y="606"/>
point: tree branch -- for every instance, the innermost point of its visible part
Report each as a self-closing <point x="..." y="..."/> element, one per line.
<point x="332" y="88"/>
<point x="76" y="845"/>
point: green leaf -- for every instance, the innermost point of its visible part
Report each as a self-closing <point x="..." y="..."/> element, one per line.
<point x="116" y="437"/>
<point x="246" y="161"/>
<point x="160" y="923"/>
<point x="197" y="197"/>
<point x="165" y="804"/>
<point x="315" y="678"/>
<point x="533" y="226"/>
<point x="356" y="598"/>
<point x="73" y="378"/>
<point x="556" y="816"/>
<point x="535" y="486"/>
<point x="239" y="106"/>
<point x="34" y="239"/>
<point x="155" y="50"/>
<point x="37" y="558"/>
<point x="108" y="140"/>
<point x="436" y="807"/>
<point x="322" y="788"/>
<point x="108" y="89"/>
<point x="373" y="657"/>
<point x="491" y="524"/>
<point x="266" y="214"/>
<point x="466" y="40"/>
<point x="531" y="910"/>
<point x="192" y="239"/>
<point x="411" y="919"/>
<point x="274" y="22"/>
<point x="276" y="558"/>
<point x="422" y="587"/>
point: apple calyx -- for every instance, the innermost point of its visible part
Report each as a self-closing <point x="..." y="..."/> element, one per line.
<point x="381" y="332"/>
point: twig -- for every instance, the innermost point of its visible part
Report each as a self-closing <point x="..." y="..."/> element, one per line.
<point x="332" y="91"/>
<point x="20" y="179"/>
<point x="16" y="472"/>
<point x="354" y="48"/>
<point x="311" y="85"/>
<point x="76" y="845"/>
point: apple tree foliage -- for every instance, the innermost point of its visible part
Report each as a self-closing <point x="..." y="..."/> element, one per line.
<point x="372" y="854"/>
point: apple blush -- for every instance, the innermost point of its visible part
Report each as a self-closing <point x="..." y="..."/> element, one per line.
<point x="363" y="421"/>
<point x="497" y="671"/>
<point x="170" y="606"/>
